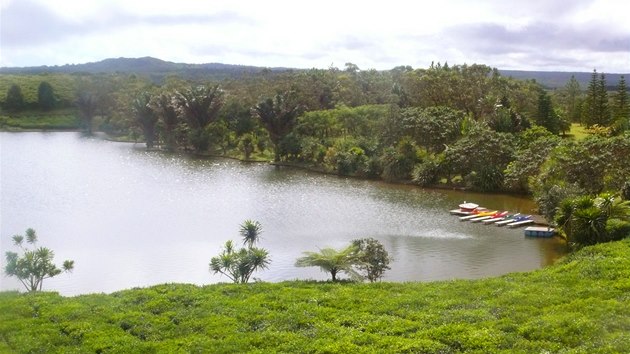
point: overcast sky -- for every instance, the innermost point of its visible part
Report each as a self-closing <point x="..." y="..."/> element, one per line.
<point x="566" y="35"/>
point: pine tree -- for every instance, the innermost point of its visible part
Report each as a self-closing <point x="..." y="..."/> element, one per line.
<point x="603" y="117"/>
<point x="621" y="108"/>
<point x="589" y="113"/>
<point x="572" y="99"/>
<point x="596" y="104"/>
<point x="546" y="115"/>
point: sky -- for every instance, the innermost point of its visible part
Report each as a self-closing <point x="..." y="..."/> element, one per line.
<point x="547" y="35"/>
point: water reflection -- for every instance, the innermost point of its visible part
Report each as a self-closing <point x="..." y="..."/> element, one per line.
<point x="129" y="217"/>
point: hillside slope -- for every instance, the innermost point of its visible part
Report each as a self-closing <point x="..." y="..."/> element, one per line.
<point x="581" y="304"/>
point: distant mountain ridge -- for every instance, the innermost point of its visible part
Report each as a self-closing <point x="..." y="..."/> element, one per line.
<point x="157" y="69"/>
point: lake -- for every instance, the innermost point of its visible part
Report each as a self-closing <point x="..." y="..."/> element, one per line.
<point x="133" y="218"/>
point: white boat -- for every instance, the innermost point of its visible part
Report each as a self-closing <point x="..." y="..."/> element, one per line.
<point x="467" y="206"/>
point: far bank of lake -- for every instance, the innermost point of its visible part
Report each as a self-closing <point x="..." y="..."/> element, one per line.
<point x="129" y="217"/>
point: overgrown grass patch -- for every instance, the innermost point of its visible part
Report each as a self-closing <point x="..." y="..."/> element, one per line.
<point x="54" y="120"/>
<point x="581" y="304"/>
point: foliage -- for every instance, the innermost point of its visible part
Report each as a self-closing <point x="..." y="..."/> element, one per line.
<point x="621" y="107"/>
<point x="165" y="110"/>
<point x="278" y="115"/>
<point x="581" y="305"/>
<point x="481" y="156"/>
<point x="34" y="265"/>
<point x="145" y="117"/>
<point x="87" y="104"/>
<point x="46" y="96"/>
<point x="199" y="106"/>
<point x="239" y="265"/>
<point x="595" y="108"/>
<point x="373" y="256"/>
<point x="587" y="221"/>
<point x="535" y="146"/>
<point x="14" y="100"/>
<point x="398" y="162"/>
<point x="433" y="127"/>
<point x="546" y="115"/>
<point x="333" y="261"/>
<point x="57" y="119"/>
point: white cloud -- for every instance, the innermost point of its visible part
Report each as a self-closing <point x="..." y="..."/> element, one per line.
<point x="537" y="34"/>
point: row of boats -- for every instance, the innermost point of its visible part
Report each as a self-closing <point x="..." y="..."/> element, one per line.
<point x="474" y="213"/>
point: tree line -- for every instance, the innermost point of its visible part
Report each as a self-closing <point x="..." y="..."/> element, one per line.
<point x="463" y="126"/>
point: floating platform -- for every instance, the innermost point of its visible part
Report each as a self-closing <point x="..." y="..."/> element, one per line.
<point x="538" y="231"/>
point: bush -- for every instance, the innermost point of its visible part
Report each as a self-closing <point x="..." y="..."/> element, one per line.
<point x="617" y="229"/>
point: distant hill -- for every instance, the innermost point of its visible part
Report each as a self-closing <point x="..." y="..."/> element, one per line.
<point x="557" y="79"/>
<point x="157" y="69"/>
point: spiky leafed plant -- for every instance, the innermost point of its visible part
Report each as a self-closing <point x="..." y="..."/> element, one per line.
<point x="250" y="231"/>
<point x="35" y="265"/>
<point x="333" y="261"/>
<point x="239" y="265"/>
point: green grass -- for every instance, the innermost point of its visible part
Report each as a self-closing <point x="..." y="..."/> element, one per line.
<point x="581" y="305"/>
<point x="578" y="131"/>
<point x="60" y="119"/>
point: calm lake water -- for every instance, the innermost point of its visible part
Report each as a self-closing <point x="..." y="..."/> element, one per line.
<point x="132" y="218"/>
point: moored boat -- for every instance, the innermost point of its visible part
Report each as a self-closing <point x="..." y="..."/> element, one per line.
<point x="538" y="231"/>
<point x="467" y="206"/>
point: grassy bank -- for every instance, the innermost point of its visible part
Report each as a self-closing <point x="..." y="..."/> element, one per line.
<point x="62" y="119"/>
<point x="581" y="304"/>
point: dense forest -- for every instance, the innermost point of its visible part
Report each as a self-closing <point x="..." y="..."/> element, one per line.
<point x="455" y="126"/>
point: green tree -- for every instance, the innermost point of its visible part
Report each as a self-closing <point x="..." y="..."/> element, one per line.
<point x="278" y="115"/>
<point x="571" y="99"/>
<point x="199" y="106"/>
<point x="596" y="103"/>
<point x="432" y="127"/>
<point x="239" y="265"/>
<point x="247" y="145"/>
<point x="87" y="105"/>
<point x="333" y="261"/>
<point x="14" y="100"/>
<point x="621" y="106"/>
<point x="145" y="117"/>
<point x="374" y="258"/>
<point x="546" y="115"/>
<point x="165" y="109"/>
<point x="35" y="265"/>
<point x="46" y="96"/>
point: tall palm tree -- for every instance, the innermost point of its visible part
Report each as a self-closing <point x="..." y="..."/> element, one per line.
<point x="332" y="261"/>
<point x="199" y="106"/>
<point x="145" y="117"/>
<point x="278" y="115"/>
<point x="165" y="109"/>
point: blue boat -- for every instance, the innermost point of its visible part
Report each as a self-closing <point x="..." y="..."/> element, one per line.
<point x="537" y="231"/>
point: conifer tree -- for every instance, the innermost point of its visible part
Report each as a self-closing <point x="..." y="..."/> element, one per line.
<point x="621" y="108"/>
<point x="596" y="104"/>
